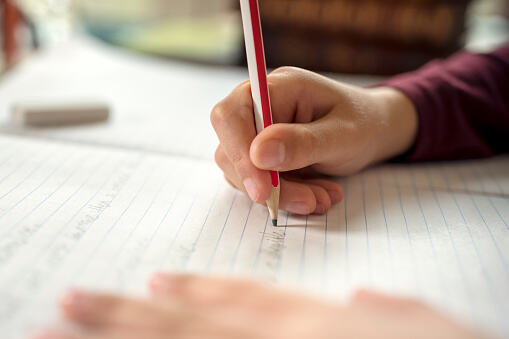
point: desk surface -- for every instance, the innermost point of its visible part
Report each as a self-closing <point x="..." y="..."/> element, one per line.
<point x="151" y="98"/>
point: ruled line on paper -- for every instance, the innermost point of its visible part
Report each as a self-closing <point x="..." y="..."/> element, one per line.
<point x="165" y="216"/>
<point x="491" y="201"/>
<point x="280" y="256"/>
<point x="482" y="264"/>
<point x="451" y="239"/>
<point x="133" y="229"/>
<point x="7" y="176"/>
<point x="347" y="257"/>
<point x="412" y="254"/>
<point x="44" y="180"/>
<point x="175" y="237"/>
<point x="5" y="235"/>
<point x="261" y="243"/>
<point x="197" y="239"/>
<point x="40" y="164"/>
<point x="428" y="232"/>
<point x="46" y="248"/>
<point x="83" y="267"/>
<point x="302" y="265"/>
<point x="72" y="174"/>
<point x="212" y="257"/>
<point x="48" y="218"/>
<point x="366" y="227"/>
<point x="237" y="248"/>
<point x="500" y="254"/>
<point x="108" y="222"/>
<point x="325" y="256"/>
<point x="382" y="202"/>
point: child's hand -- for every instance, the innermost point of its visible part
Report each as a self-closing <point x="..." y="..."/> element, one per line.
<point x="322" y="127"/>
<point x="200" y="307"/>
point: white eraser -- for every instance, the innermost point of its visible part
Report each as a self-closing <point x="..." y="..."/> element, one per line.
<point x="54" y="113"/>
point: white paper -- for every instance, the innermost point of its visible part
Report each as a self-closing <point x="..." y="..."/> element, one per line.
<point x="106" y="219"/>
<point x="158" y="105"/>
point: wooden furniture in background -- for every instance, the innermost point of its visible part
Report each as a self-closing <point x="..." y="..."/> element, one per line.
<point x="361" y="36"/>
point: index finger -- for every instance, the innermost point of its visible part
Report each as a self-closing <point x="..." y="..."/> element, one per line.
<point x="233" y="121"/>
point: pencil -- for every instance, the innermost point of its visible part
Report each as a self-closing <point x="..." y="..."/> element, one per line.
<point x="259" y="87"/>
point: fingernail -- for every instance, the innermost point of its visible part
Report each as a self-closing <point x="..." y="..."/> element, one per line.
<point x="299" y="208"/>
<point x="75" y="301"/>
<point x="335" y="196"/>
<point x="272" y="153"/>
<point x="320" y="208"/>
<point x="252" y="189"/>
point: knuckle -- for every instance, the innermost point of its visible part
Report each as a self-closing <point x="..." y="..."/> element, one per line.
<point x="220" y="114"/>
<point x="220" y="157"/>
<point x="286" y="74"/>
<point x="286" y="70"/>
<point x="308" y="139"/>
<point x="236" y="158"/>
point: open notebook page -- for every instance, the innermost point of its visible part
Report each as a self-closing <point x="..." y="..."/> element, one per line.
<point x="107" y="219"/>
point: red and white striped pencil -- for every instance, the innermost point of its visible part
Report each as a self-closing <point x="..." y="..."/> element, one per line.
<point x="259" y="87"/>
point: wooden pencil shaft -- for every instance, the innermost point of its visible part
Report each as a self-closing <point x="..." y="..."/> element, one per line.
<point x="259" y="86"/>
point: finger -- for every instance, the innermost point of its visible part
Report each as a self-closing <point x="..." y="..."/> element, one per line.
<point x="301" y="197"/>
<point x="286" y="147"/>
<point x="383" y="301"/>
<point x="300" y="96"/>
<point x="195" y="287"/>
<point x="333" y="189"/>
<point x="100" y="310"/>
<point x="323" y="201"/>
<point x="233" y="122"/>
<point x="304" y="197"/>
<point x="297" y="197"/>
<point x="103" y="334"/>
<point x="228" y="169"/>
<point x="212" y="291"/>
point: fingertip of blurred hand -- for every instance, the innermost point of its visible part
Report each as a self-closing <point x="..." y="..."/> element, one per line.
<point x="46" y="334"/>
<point x="161" y="283"/>
<point x="70" y="300"/>
<point x="76" y="304"/>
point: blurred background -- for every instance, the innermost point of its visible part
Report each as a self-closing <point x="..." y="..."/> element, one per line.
<point x="380" y="37"/>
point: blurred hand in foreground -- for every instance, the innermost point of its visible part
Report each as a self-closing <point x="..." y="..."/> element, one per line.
<point x="183" y="306"/>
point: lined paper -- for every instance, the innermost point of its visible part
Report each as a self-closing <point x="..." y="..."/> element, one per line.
<point x="106" y="219"/>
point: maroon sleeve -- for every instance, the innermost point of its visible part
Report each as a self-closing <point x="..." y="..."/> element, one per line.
<point x="462" y="105"/>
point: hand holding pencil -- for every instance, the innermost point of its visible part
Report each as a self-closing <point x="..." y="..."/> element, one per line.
<point x="321" y="127"/>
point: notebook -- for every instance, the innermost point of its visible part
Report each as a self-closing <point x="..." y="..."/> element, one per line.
<point x="105" y="218"/>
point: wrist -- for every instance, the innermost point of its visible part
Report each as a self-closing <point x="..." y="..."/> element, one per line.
<point x="398" y="123"/>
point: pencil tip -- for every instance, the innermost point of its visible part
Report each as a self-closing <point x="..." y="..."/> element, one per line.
<point x="274" y="222"/>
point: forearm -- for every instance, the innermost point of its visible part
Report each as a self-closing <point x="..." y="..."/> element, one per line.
<point x="462" y="107"/>
<point x="398" y="123"/>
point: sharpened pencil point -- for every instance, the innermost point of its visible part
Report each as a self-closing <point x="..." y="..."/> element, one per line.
<point x="274" y="222"/>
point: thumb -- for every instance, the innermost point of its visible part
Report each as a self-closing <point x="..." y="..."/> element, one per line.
<point x="286" y="147"/>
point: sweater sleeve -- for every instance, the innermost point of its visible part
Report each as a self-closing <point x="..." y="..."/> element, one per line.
<point x="462" y="105"/>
